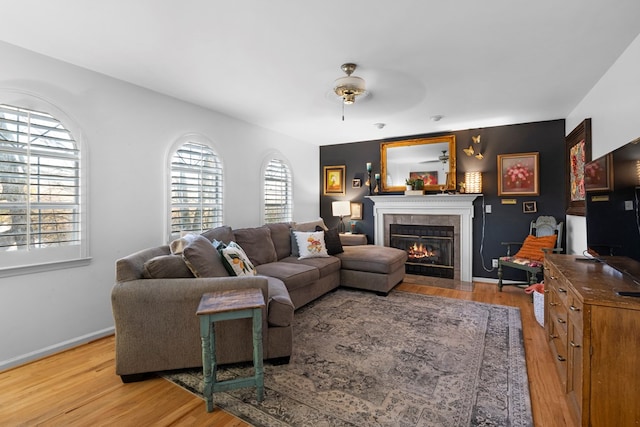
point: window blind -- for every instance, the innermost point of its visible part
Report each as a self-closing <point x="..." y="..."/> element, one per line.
<point x="278" y="197"/>
<point x="39" y="181"/>
<point x="196" y="189"/>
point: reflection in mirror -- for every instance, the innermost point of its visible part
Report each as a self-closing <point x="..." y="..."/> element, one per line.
<point x="431" y="160"/>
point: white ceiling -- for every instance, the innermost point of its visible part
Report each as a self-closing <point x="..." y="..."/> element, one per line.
<point x="273" y="63"/>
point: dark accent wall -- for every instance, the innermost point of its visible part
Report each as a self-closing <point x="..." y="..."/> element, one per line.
<point x="506" y="222"/>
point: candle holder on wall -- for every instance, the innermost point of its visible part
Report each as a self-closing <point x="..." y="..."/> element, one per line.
<point x="368" y="184"/>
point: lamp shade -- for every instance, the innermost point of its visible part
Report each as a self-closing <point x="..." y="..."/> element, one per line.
<point x="341" y="208"/>
<point x="473" y="182"/>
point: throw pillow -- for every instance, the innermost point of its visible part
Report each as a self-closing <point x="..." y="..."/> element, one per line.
<point x="311" y="244"/>
<point x="532" y="247"/>
<point x="304" y="226"/>
<point x="178" y="245"/>
<point x="203" y="259"/>
<point x="166" y="267"/>
<point x="332" y="241"/>
<point x="236" y="260"/>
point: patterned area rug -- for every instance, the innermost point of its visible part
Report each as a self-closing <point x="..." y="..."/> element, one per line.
<point x="402" y="360"/>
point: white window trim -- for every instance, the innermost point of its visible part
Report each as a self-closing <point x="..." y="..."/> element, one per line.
<point x="42" y="260"/>
<point x="273" y="155"/>
<point x="199" y="139"/>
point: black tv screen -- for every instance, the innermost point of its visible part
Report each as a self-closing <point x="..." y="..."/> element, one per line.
<point x="612" y="185"/>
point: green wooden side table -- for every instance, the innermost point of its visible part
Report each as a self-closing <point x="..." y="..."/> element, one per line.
<point x="229" y="305"/>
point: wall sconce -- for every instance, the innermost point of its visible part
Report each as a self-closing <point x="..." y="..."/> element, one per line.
<point x="341" y="209"/>
<point x="473" y="182"/>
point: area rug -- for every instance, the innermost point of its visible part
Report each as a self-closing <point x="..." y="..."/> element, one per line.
<point x="402" y="360"/>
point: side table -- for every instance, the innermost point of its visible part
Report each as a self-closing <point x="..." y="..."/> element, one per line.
<point x="229" y="305"/>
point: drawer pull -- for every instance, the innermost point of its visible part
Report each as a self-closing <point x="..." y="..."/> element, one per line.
<point x="553" y="336"/>
<point x="561" y="320"/>
<point x="574" y="308"/>
<point x="562" y="291"/>
<point x="561" y="359"/>
<point x="574" y="345"/>
<point x="553" y="304"/>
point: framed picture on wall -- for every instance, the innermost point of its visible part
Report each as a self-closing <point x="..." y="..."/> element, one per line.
<point x="529" y="207"/>
<point x="356" y="183"/>
<point x="519" y="175"/>
<point x="578" y="154"/>
<point x="598" y="174"/>
<point x="334" y="180"/>
<point x="356" y="210"/>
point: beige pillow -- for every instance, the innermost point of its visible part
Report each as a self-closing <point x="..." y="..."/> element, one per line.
<point x="311" y="245"/>
<point x="203" y="259"/>
<point x="178" y="245"/>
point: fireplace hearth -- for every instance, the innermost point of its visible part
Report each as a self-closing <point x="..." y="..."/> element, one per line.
<point x="430" y="248"/>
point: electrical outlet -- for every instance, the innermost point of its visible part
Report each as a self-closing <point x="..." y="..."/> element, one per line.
<point x="494" y="263"/>
<point x="487" y="208"/>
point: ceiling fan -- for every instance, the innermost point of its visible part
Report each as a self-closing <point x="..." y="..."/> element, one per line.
<point x="349" y="87"/>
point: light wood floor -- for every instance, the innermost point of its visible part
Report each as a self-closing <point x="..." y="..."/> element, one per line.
<point x="79" y="387"/>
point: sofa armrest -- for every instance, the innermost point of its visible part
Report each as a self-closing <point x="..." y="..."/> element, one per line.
<point x="348" y="239"/>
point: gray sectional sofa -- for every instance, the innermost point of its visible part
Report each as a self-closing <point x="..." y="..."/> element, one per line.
<point x="157" y="291"/>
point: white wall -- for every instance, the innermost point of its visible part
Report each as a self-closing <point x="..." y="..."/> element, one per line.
<point x="128" y="131"/>
<point x="613" y="105"/>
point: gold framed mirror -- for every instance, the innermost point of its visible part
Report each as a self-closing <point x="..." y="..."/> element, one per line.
<point x="432" y="160"/>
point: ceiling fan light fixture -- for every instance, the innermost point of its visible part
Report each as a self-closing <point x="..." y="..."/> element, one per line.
<point x="349" y="87"/>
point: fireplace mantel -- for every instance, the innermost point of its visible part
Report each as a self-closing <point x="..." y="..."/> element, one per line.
<point x="437" y="204"/>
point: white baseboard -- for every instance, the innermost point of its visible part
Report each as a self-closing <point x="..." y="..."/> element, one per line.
<point x="495" y="281"/>
<point x="56" y="348"/>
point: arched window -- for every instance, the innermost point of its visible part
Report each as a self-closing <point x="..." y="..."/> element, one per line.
<point x="278" y="191"/>
<point x="41" y="215"/>
<point x="196" y="188"/>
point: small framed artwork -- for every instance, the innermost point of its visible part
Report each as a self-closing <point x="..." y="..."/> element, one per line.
<point x="356" y="210"/>
<point x="598" y="174"/>
<point x="578" y="154"/>
<point x="529" y="207"/>
<point x="429" y="178"/>
<point x="356" y="183"/>
<point x="334" y="180"/>
<point x="519" y="175"/>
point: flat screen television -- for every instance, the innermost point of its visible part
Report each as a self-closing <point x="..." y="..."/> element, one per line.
<point x="612" y="184"/>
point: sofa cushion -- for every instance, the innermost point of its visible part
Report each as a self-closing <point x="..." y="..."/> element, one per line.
<point x="236" y="260"/>
<point x="281" y="238"/>
<point x="294" y="276"/>
<point x="372" y="258"/>
<point x="203" y="259"/>
<point x="280" y="312"/>
<point x="311" y="244"/>
<point x="166" y="267"/>
<point x="332" y="240"/>
<point x="257" y="244"/>
<point x="325" y="266"/>
<point x="222" y="233"/>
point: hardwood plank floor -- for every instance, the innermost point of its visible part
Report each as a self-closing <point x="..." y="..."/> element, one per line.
<point x="79" y="387"/>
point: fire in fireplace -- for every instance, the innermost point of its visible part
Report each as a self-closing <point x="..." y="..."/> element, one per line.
<point x="429" y="248"/>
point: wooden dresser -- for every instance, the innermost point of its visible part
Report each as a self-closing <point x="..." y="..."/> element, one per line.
<point x="594" y="335"/>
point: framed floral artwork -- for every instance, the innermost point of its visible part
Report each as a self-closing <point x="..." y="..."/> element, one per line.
<point x="519" y="175"/>
<point x="598" y="174"/>
<point x="334" y="180"/>
<point x="578" y="154"/>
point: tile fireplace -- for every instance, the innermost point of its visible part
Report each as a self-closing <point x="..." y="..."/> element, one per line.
<point x="439" y="210"/>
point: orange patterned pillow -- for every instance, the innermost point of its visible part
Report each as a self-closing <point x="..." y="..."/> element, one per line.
<point x="532" y="247"/>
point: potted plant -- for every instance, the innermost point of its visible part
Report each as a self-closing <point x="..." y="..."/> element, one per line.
<point x="409" y="182"/>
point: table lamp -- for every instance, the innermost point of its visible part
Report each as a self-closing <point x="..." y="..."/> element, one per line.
<point x="341" y="209"/>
